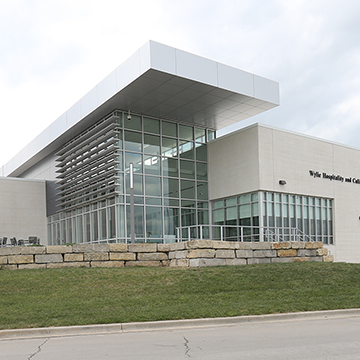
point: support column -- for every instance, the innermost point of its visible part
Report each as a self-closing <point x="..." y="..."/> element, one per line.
<point x="132" y="211"/>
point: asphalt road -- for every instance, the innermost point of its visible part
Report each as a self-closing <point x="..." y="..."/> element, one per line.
<point x="326" y="338"/>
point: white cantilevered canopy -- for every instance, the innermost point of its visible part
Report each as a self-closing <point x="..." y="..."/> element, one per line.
<point x="163" y="82"/>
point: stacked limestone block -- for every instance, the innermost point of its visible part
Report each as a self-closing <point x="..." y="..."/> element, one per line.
<point x="21" y="257"/>
<point x="196" y="253"/>
<point x="84" y="255"/>
<point x="301" y="251"/>
<point x="199" y="253"/>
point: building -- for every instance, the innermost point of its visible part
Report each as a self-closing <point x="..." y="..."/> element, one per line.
<point x="280" y="179"/>
<point x="159" y="112"/>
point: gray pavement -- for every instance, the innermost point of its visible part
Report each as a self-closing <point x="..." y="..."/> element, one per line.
<point x="315" y="335"/>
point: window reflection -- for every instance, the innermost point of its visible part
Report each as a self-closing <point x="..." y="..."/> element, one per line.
<point x="201" y="154"/>
<point x="152" y="186"/>
<point x="151" y="125"/>
<point x="170" y="167"/>
<point x="136" y="159"/>
<point x="153" y="222"/>
<point x="151" y="144"/>
<point x="186" y="149"/>
<point x="133" y="141"/>
<point x="171" y="187"/>
<point x="169" y="128"/>
<point x="169" y="147"/>
<point x="152" y="165"/>
<point x="186" y="132"/>
<point x="187" y="169"/>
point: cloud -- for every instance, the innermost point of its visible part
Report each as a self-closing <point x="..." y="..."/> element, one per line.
<point x="317" y="67"/>
<point x="53" y="52"/>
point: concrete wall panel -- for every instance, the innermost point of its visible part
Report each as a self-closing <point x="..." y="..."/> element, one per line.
<point x="23" y="209"/>
<point x="290" y="157"/>
<point x="233" y="164"/>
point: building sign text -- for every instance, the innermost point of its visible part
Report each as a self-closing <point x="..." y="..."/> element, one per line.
<point x="333" y="177"/>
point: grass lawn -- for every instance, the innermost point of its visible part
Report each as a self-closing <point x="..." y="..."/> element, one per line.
<point x="57" y="297"/>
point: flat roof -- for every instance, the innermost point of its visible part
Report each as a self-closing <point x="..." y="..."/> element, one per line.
<point x="290" y="132"/>
<point x="162" y="82"/>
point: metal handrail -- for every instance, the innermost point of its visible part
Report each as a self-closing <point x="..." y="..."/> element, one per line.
<point x="242" y="233"/>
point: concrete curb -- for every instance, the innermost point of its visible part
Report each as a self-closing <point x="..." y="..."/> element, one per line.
<point x="170" y="324"/>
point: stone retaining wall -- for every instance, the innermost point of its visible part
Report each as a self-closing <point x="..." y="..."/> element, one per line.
<point x="194" y="253"/>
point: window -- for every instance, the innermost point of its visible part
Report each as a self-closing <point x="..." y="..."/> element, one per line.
<point x="170" y="181"/>
<point x="282" y="215"/>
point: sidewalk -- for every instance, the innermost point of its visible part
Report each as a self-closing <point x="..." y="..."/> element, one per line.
<point x="170" y="324"/>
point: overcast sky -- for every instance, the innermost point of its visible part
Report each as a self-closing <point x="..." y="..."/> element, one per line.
<point x="52" y="52"/>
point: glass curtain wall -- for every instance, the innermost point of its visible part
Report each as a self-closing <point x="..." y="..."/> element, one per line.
<point x="170" y="182"/>
<point x="240" y="210"/>
<point x="312" y="216"/>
